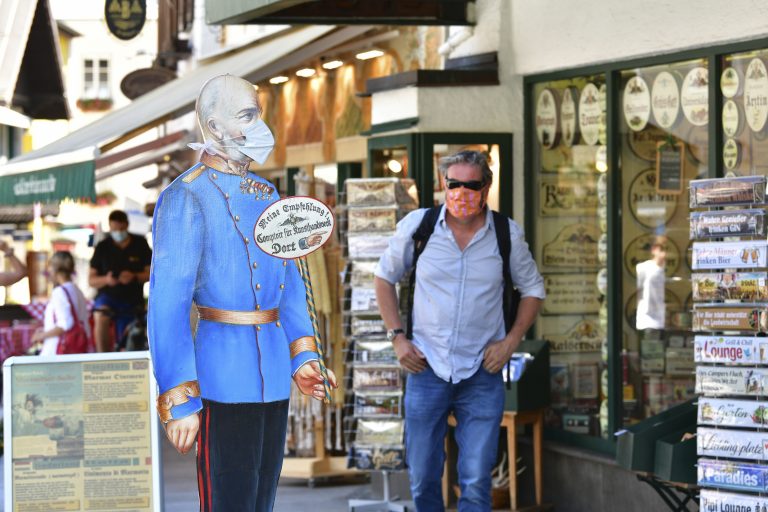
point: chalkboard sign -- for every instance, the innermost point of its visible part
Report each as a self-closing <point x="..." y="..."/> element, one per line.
<point x="670" y="162"/>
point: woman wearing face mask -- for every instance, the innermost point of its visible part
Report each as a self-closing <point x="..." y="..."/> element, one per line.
<point x="66" y="307"/>
<point x="119" y="269"/>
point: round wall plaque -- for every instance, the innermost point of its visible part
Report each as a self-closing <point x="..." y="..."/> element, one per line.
<point x="648" y="207"/>
<point x="546" y="119"/>
<point x="568" y="124"/>
<point x="732" y="119"/>
<point x="637" y="103"/>
<point x="589" y="114"/>
<point x="756" y="95"/>
<point x="665" y="99"/>
<point x="731" y="154"/>
<point x="694" y="96"/>
<point x="730" y="81"/>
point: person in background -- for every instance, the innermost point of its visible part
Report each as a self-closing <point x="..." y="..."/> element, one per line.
<point x="18" y="270"/>
<point x="651" y="308"/>
<point x="119" y="269"/>
<point x="65" y="298"/>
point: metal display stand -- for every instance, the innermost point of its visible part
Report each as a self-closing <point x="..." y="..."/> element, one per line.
<point x="386" y="504"/>
<point x="675" y="496"/>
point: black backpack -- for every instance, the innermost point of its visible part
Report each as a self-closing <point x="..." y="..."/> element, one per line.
<point x="511" y="297"/>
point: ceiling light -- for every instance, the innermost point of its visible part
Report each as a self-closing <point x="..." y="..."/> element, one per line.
<point x="306" y="72"/>
<point x="370" y="54"/>
<point x="278" y="79"/>
<point x="394" y="166"/>
<point x="333" y="64"/>
<point x="255" y="87"/>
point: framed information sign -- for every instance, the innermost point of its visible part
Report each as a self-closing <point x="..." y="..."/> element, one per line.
<point x="670" y="167"/>
<point x="81" y="433"/>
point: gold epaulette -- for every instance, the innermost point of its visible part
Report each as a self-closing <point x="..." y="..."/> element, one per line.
<point x="176" y="396"/>
<point x="303" y="344"/>
<point x="193" y="175"/>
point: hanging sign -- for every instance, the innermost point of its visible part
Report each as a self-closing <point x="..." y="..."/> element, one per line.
<point x="589" y="114"/>
<point x="563" y="197"/>
<point x="293" y="227"/>
<point x="732" y="119"/>
<point x="568" y="118"/>
<point x="584" y="336"/>
<point x="726" y="502"/>
<point x="749" y="286"/>
<point x="736" y="444"/>
<point x="665" y="99"/>
<point x="546" y="119"/>
<point x="727" y="191"/>
<point x="730" y="349"/>
<point x="650" y="207"/>
<point x="570" y="294"/>
<point x="574" y="246"/>
<point x="756" y="94"/>
<point x="670" y="167"/>
<point x="716" y="255"/>
<point x="125" y="18"/>
<point x="637" y="103"/>
<point x="730" y="380"/>
<point x="728" y="474"/>
<point x="639" y="250"/>
<point x="717" y="224"/>
<point x="732" y="413"/>
<point x="694" y="97"/>
<point x="730" y="82"/>
<point x="751" y="318"/>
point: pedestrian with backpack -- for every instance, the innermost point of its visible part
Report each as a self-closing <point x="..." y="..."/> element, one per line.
<point x="476" y="291"/>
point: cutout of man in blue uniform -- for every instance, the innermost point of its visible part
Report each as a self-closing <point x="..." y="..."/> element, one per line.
<point x="227" y="386"/>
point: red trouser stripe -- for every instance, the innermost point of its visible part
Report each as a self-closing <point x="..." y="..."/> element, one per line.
<point x="203" y="463"/>
<point x="208" y="459"/>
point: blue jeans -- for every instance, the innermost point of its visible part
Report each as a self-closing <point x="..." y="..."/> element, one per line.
<point x="478" y="405"/>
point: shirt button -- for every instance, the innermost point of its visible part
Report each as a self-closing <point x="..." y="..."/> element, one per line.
<point x="255" y="265"/>
<point x="247" y="241"/>
<point x="277" y="323"/>
<point x="258" y="327"/>
<point x="214" y="176"/>
<point x="258" y="307"/>
<point x="258" y="286"/>
<point x="282" y="287"/>
<point x="237" y="218"/>
<point x="226" y="195"/>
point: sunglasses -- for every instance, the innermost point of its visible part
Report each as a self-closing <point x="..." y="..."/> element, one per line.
<point x="471" y="185"/>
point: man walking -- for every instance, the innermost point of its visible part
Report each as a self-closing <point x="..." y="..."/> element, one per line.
<point x="459" y="343"/>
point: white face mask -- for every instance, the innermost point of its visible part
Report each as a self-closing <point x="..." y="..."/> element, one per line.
<point x="118" y="236"/>
<point x="258" y="144"/>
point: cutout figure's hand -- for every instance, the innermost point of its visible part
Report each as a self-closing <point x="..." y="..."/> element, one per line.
<point x="183" y="432"/>
<point x="310" y="381"/>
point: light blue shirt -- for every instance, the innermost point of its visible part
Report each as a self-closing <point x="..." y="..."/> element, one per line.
<point x="457" y="306"/>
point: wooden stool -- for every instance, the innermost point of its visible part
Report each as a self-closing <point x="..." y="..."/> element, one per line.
<point x="511" y="420"/>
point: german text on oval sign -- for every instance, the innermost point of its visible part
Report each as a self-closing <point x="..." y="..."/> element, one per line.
<point x="293" y="227"/>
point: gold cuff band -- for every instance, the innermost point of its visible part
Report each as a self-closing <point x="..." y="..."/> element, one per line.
<point x="225" y="316"/>
<point x="176" y="396"/>
<point x="303" y="344"/>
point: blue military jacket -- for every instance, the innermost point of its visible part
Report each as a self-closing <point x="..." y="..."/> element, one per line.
<point x="204" y="252"/>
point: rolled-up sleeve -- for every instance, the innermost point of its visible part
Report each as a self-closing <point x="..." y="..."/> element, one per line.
<point x="525" y="275"/>
<point x="398" y="257"/>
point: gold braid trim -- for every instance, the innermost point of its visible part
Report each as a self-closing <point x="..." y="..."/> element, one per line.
<point x="176" y="396"/>
<point x="303" y="344"/>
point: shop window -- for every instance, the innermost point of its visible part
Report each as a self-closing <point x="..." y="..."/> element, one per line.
<point x="744" y="89"/>
<point x="570" y="246"/>
<point x="663" y="141"/>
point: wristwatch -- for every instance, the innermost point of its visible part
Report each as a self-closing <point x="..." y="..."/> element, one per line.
<point x="392" y="334"/>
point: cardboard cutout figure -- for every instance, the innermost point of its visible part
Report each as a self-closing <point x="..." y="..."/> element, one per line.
<point x="226" y="387"/>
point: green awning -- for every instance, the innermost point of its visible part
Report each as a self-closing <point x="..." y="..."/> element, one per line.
<point x="71" y="181"/>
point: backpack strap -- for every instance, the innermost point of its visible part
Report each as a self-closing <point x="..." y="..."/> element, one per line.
<point x="420" y="239"/>
<point x="511" y="297"/>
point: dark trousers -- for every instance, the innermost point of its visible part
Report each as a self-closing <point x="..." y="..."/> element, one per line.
<point x="239" y="455"/>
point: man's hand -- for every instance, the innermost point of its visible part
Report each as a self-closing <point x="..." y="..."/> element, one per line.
<point x="497" y="354"/>
<point x="310" y="381"/>
<point x="183" y="432"/>
<point x="126" y="277"/>
<point x="110" y="279"/>
<point x="409" y="356"/>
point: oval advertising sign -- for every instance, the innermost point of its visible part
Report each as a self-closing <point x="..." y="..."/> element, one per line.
<point x="294" y="227"/>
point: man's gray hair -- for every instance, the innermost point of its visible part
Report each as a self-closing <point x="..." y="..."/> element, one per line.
<point x="476" y="158"/>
